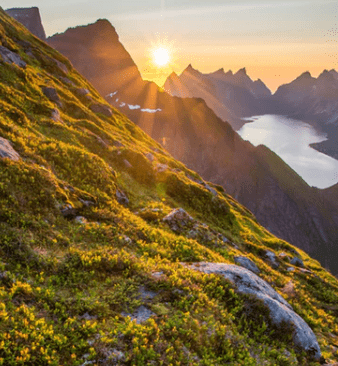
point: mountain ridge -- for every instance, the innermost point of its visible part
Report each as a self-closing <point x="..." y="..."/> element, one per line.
<point x="119" y="254"/>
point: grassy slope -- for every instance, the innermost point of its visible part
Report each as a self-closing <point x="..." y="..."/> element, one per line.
<point x="54" y="270"/>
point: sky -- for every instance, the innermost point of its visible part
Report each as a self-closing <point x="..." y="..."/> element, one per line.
<point x="275" y="40"/>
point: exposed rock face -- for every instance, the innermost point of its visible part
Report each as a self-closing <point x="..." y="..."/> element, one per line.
<point x="30" y="18"/>
<point x="101" y="108"/>
<point x="52" y="95"/>
<point x="280" y="310"/>
<point x="7" y="151"/>
<point x="11" y="57"/>
<point x="247" y="263"/>
<point x="178" y="218"/>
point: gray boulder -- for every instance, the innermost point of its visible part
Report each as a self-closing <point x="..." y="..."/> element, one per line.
<point x="122" y="198"/>
<point x="247" y="263"/>
<point x="177" y="219"/>
<point x="7" y="151"/>
<point x="280" y="310"/>
<point x="140" y="315"/>
<point x="101" y="108"/>
<point x="11" y="57"/>
<point x="297" y="262"/>
<point x="52" y="95"/>
<point x="271" y="258"/>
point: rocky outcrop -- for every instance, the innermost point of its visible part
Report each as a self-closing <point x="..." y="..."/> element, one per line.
<point x="11" y="57"/>
<point x="30" y="18"/>
<point x="101" y="108"/>
<point x="52" y="95"/>
<point x="248" y="283"/>
<point x="7" y="151"/>
<point x="247" y="263"/>
<point x="177" y="219"/>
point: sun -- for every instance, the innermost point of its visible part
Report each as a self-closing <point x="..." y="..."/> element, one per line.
<point x="161" y="56"/>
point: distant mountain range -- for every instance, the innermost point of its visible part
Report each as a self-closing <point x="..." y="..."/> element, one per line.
<point x="231" y="96"/>
<point x="192" y="132"/>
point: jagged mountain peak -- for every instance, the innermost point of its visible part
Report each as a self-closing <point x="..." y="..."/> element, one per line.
<point x="242" y="72"/>
<point x="30" y="18"/>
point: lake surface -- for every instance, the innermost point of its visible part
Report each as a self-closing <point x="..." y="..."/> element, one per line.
<point x="290" y="139"/>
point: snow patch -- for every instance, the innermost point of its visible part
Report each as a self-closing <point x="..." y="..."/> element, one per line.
<point x="134" y="106"/>
<point x="147" y="110"/>
<point x="112" y="94"/>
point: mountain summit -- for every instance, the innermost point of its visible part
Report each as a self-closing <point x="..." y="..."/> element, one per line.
<point x="30" y="18"/>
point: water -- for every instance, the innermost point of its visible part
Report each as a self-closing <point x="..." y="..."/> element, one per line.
<point x="290" y="139"/>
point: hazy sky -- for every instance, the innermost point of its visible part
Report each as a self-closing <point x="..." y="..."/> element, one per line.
<point x="274" y="40"/>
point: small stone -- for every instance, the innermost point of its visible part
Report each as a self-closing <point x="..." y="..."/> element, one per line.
<point x="52" y="95"/>
<point x="127" y="164"/>
<point x="68" y="211"/>
<point x="87" y="203"/>
<point x="297" y="262"/>
<point x="122" y="198"/>
<point x="61" y="66"/>
<point x="211" y="190"/>
<point x="81" y="220"/>
<point x="271" y="258"/>
<point x="150" y="157"/>
<point x="141" y="314"/>
<point x="101" y="108"/>
<point x="160" y="168"/>
<point x="157" y="274"/>
<point x="81" y="92"/>
<point x="55" y="115"/>
<point x="11" y="57"/>
<point x="290" y="269"/>
<point x="178" y="218"/>
<point x="247" y="263"/>
<point x="284" y="256"/>
<point x="7" y="151"/>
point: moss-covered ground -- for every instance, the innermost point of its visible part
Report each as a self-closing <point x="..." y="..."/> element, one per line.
<point x="66" y="287"/>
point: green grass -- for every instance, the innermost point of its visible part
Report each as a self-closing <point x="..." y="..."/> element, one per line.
<point x="55" y="272"/>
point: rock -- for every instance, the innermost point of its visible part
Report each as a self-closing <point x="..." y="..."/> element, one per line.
<point x="52" y="95"/>
<point x="280" y="311"/>
<point x="7" y="151"/>
<point x="284" y="256"/>
<point x="178" y="218"/>
<point x="55" y="115"/>
<point x="66" y="80"/>
<point x="160" y="168"/>
<point x="157" y="275"/>
<point x="146" y="294"/>
<point x="81" y="220"/>
<point x="11" y="57"/>
<point x="247" y="263"/>
<point x="141" y="314"/>
<point x="81" y="92"/>
<point x="121" y="197"/>
<point x="68" y="211"/>
<point x="150" y="157"/>
<point x="61" y="66"/>
<point x="86" y="316"/>
<point x="290" y="269"/>
<point x="272" y="258"/>
<point x="289" y="289"/>
<point x="127" y="164"/>
<point x="101" y="108"/>
<point x="210" y="189"/>
<point x="87" y="203"/>
<point x="30" y="18"/>
<point x="297" y="262"/>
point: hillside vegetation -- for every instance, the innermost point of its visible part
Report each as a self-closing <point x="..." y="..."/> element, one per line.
<point x="93" y="270"/>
